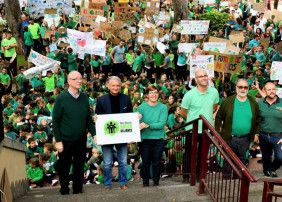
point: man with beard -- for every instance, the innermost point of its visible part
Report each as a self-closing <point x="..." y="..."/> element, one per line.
<point x="270" y="137"/>
<point x="238" y="120"/>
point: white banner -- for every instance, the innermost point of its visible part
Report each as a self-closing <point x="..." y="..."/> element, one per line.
<point x="39" y="60"/>
<point x="32" y="72"/>
<point x="215" y="47"/>
<point x="117" y="128"/>
<point x="195" y="26"/>
<point x="205" y="62"/>
<point x="50" y="19"/>
<point x="276" y="71"/>
<point x="37" y="7"/>
<point x="99" y="47"/>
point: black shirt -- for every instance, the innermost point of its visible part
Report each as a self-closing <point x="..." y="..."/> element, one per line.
<point x="115" y="103"/>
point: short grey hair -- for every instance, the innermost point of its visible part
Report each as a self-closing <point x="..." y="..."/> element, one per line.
<point x="70" y="74"/>
<point x="241" y="80"/>
<point x="114" y="78"/>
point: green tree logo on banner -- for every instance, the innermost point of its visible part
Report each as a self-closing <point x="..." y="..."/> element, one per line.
<point x="111" y="128"/>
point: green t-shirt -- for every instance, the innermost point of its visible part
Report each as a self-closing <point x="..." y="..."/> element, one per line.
<point x="242" y="118"/>
<point x="137" y="61"/>
<point x="5" y="78"/>
<point x="271" y="115"/>
<point x="34" y="30"/>
<point x="8" y="112"/>
<point x="129" y="57"/>
<point x="6" y="42"/>
<point x="49" y="83"/>
<point x="158" y="59"/>
<point x="37" y="136"/>
<point x="20" y="79"/>
<point x="72" y="63"/>
<point x="200" y="103"/>
<point x="253" y="93"/>
<point x="28" y="38"/>
<point x="156" y="117"/>
<point x="95" y="63"/>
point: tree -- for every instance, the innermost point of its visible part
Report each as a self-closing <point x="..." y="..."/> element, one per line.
<point x="181" y="11"/>
<point x="276" y="4"/>
<point x="13" y="14"/>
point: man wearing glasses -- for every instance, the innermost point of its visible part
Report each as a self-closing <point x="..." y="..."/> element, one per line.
<point x="71" y="119"/>
<point x="238" y="120"/>
<point x="202" y="99"/>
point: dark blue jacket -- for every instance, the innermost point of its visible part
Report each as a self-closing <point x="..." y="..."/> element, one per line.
<point x="103" y="105"/>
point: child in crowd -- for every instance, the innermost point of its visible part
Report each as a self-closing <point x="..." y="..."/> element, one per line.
<point x="35" y="173"/>
<point x="33" y="150"/>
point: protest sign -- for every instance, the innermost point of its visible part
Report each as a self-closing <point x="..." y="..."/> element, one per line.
<point x="279" y="92"/>
<point x="37" y="8"/>
<point x="148" y="36"/>
<point x="202" y="2"/>
<point x="63" y="32"/>
<point x="90" y="10"/>
<point x="39" y="60"/>
<point x="216" y="39"/>
<point x="53" y="47"/>
<point x="276" y="71"/>
<point x="152" y="7"/>
<point x="236" y="37"/>
<point x="125" y="34"/>
<point x="277" y="14"/>
<point x="99" y="47"/>
<point x="81" y="42"/>
<point x="32" y="72"/>
<point x="100" y="18"/>
<point x="232" y="50"/>
<point x="226" y="63"/>
<point x="259" y="7"/>
<point x="50" y="11"/>
<point x="117" y="128"/>
<point x="195" y="26"/>
<point x="123" y="1"/>
<point x="186" y="47"/>
<point x="49" y="33"/>
<point x="64" y="45"/>
<point x="264" y="42"/>
<point x="50" y="18"/>
<point x="205" y="62"/>
<point x="161" y="47"/>
<point x="215" y="47"/>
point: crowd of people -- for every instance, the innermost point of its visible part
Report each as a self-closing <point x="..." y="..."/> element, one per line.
<point x="54" y="115"/>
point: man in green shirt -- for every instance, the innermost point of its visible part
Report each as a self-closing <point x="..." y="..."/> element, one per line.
<point x="5" y="79"/>
<point x="270" y="137"/>
<point x="71" y="119"/>
<point x="238" y="120"/>
<point x="9" y="48"/>
<point x="34" y="30"/>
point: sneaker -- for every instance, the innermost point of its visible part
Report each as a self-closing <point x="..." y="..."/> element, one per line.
<point x="273" y="174"/>
<point x="259" y="155"/>
<point x="54" y="182"/>
<point x="88" y="182"/>
<point x="164" y="176"/>
<point x="116" y="163"/>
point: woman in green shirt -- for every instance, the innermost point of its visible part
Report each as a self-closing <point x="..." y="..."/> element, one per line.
<point x="152" y="126"/>
<point x="72" y="61"/>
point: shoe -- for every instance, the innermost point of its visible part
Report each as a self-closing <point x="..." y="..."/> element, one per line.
<point x="145" y="185"/>
<point x="124" y="187"/>
<point x="273" y="174"/>
<point x="107" y="188"/>
<point x="54" y="182"/>
<point x="88" y="182"/>
<point x="116" y="163"/>
<point x="156" y="184"/>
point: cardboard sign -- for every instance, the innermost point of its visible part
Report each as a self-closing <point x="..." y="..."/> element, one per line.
<point x="63" y="32"/>
<point x="50" y="11"/>
<point x="236" y="37"/>
<point x="148" y="36"/>
<point x="49" y="33"/>
<point x="264" y="42"/>
<point x="117" y="128"/>
<point x="186" y="47"/>
<point x="123" y="1"/>
<point x="195" y="27"/>
<point x="205" y="62"/>
<point x="278" y="47"/>
<point x="125" y="34"/>
<point x="64" y="45"/>
<point x="232" y="50"/>
<point x="215" y="39"/>
<point x="226" y="63"/>
<point x="259" y="7"/>
<point x="276" y="71"/>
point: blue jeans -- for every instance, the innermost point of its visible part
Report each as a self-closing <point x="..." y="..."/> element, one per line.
<point x="122" y="163"/>
<point x="151" y="154"/>
<point x="269" y="144"/>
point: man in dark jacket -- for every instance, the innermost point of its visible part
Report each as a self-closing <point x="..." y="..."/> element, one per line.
<point x="114" y="103"/>
<point x="20" y="28"/>
<point x="238" y="120"/>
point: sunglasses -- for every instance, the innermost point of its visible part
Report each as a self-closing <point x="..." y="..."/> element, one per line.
<point x="243" y="87"/>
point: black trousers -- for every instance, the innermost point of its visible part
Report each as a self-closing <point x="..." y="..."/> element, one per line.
<point x="74" y="153"/>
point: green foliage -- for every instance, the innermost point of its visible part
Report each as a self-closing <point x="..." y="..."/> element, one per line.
<point x="217" y="20"/>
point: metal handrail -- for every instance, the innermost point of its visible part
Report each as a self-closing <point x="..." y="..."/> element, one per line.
<point x="268" y="190"/>
<point x="182" y="126"/>
<point x="228" y="150"/>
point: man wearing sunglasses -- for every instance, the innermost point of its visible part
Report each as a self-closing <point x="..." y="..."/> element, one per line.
<point x="238" y="120"/>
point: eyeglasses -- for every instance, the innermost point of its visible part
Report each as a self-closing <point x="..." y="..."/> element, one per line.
<point x="153" y="92"/>
<point x="243" y="87"/>
<point x="77" y="79"/>
<point x="203" y="76"/>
